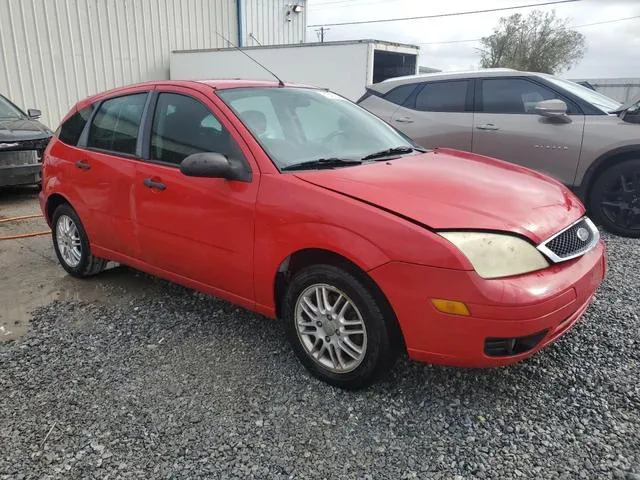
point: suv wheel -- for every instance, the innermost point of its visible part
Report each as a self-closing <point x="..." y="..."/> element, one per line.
<point x="336" y="327"/>
<point x="71" y="244"/>
<point x="615" y="199"/>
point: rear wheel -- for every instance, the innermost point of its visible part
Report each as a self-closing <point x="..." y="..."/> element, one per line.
<point x="71" y="244"/>
<point x="336" y="327"/>
<point x="615" y="199"/>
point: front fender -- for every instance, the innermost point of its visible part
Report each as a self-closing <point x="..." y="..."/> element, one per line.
<point x="274" y="245"/>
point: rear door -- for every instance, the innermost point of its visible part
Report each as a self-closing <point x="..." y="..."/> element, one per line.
<point x="506" y="127"/>
<point x="201" y="229"/>
<point x="438" y="114"/>
<point x="105" y="170"/>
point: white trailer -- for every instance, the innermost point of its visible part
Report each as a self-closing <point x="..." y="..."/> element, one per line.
<point x="343" y="67"/>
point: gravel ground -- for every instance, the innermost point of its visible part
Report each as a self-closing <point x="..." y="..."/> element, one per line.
<point x="181" y="385"/>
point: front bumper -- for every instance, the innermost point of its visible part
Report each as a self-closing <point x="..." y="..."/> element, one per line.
<point x="11" y="175"/>
<point x="541" y="305"/>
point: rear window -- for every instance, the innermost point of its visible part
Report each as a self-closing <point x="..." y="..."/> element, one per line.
<point x="116" y="124"/>
<point x="400" y="94"/>
<point x="70" y="131"/>
<point x="448" y="96"/>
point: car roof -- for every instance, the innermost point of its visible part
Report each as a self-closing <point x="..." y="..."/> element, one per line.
<point x="390" y="83"/>
<point x="216" y="84"/>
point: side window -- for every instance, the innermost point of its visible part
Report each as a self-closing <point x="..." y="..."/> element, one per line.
<point x="116" y="124"/>
<point x="515" y="95"/>
<point x="450" y="96"/>
<point x="70" y="131"/>
<point x="183" y="126"/>
<point x="400" y="94"/>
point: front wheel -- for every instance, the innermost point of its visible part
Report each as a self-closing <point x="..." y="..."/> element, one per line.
<point x="615" y="199"/>
<point x="336" y="327"/>
<point x="71" y="244"/>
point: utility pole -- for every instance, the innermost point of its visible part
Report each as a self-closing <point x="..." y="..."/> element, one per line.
<point x="321" y="31"/>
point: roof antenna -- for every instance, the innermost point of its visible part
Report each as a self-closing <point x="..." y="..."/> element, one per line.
<point x="280" y="82"/>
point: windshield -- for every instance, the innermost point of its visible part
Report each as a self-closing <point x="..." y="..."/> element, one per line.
<point x="598" y="100"/>
<point x="7" y="110"/>
<point x="296" y="125"/>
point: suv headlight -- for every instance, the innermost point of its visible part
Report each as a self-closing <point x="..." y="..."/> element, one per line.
<point x="495" y="255"/>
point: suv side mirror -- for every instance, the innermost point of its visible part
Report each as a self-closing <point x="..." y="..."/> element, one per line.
<point x="34" y="113"/>
<point x="214" y="165"/>
<point x="551" y="108"/>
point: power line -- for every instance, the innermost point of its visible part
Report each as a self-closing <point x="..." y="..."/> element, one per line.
<point x="606" y="21"/>
<point x="574" y="26"/>
<point x="472" y="12"/>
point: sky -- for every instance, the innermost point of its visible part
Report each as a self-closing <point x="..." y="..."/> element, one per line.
<point x="613" y="49"/>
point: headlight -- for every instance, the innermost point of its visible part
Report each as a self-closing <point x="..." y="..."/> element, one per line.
<point x="496" y="255"/>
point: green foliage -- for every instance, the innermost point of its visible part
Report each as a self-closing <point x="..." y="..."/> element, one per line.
<point x="539" y="42"/>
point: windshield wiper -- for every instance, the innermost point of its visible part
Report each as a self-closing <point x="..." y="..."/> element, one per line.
<point x="322" y="163"/>
<point x="390" y="151"/>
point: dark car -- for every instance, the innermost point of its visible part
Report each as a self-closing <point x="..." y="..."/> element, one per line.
<point x="22" y="143"/>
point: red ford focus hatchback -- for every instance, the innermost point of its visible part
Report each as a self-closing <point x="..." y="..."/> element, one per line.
<point x="296" y="203"/>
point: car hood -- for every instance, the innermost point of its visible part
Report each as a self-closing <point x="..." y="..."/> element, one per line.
<point x="18" y="129"/>
<point x="631" y="104"/>
<point x="450" y="189"/>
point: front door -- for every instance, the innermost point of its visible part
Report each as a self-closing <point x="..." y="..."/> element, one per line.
<point x="438" y="114"/>
<point x="506" y="127"/>
<point x="201" y="229"/>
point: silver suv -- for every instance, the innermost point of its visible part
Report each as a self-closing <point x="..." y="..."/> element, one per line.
<point x="588" y="141"/>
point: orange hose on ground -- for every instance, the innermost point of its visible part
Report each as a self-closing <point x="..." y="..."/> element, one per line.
<point x="24" y="217"/>
<point x="23" y="235"/>
<point x="26" y="235"/>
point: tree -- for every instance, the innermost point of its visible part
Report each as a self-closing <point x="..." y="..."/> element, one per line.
<point x="539" y="42"/>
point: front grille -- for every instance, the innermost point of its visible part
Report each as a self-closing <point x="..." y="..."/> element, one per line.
<point x="19" y="158"/>
<point x="37" y="145"/>
<point x="571" y="242"/>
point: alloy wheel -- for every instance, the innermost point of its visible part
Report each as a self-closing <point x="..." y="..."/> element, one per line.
<point x="621" y="201"/>
<point x="68" y="240"/>
<point x="330" y="328"/>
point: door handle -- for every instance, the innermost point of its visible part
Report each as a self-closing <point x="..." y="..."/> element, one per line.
<point x="149" y="183"/>
<point x="83" y="165"/>
<point x="404" y="120"/>
<point x="487" y="126"/>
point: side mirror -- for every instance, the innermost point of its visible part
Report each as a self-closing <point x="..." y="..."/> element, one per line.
<point x="34" y="113"/>
<point x="214" y="165"/>
<point x="551" y="108"/>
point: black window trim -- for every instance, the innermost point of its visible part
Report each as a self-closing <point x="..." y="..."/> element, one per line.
<point x="410" y="102"/>
<point x="479" y="100"/>
<point x="148" y="125"/>
<point x="84" y="136"/>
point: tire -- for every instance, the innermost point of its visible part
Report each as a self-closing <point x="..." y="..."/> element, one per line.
<point x="376" y="346"/>
<point x="616" y="208"/>
<point x="82" y="263"/>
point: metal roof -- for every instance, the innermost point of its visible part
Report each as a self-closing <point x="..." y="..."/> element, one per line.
<point x="307" y="44"/>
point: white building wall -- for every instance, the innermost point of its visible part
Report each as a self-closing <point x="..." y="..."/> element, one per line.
<point x="55" y="52"/>
<point x="273" y="22"/>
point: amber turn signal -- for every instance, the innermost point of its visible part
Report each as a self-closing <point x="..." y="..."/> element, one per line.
<point x="450" y="306"/>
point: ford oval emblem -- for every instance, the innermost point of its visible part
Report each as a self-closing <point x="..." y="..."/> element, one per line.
<point x="583" y="234"/>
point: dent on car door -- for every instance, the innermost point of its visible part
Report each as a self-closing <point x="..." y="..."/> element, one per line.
<point x="507" y="127"/>
<point x="105" y="171"/>
<point x="198" y="228"/>
<point x="438" y="114"/>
